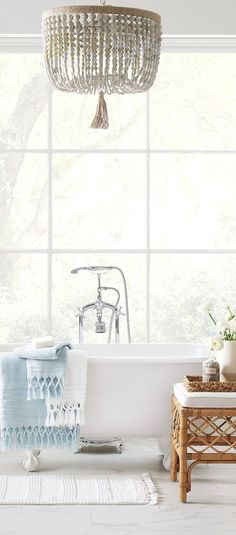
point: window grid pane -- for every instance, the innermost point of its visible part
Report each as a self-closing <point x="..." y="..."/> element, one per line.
<point x="154" y="169"/>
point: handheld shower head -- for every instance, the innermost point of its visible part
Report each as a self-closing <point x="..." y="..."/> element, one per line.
<point x="98" y="270"/>
<point x="76" y="270"/>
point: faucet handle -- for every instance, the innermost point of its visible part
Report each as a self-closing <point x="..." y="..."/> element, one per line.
<point x="80" y="313"/>
<point x="119" y="311"/>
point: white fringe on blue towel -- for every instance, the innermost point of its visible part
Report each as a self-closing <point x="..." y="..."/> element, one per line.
<point x="46" y="369"/>
<point x="39" y="437"/>
<point x="44" y="387"/>
<point x="22" y="422"/>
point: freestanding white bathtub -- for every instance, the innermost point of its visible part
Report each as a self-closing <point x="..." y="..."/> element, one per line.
<point x="130" y="386"/>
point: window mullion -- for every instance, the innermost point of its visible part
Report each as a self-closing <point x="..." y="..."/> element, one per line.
<point x="49" y="296"/>
<point x="148" y="218"/>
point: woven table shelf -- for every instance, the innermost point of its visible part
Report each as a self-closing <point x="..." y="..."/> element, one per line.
<point x="194" y="383"/>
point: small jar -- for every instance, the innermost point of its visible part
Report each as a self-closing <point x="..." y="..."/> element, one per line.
<point x="211" y="369"/>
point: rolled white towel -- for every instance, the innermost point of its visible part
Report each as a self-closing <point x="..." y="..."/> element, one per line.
<point x="43" y="341"/>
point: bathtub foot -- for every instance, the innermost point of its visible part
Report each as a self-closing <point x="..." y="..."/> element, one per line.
<point x="30" y="462"/>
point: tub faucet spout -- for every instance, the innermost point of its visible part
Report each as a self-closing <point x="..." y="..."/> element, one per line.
<point x="99" y="305"/>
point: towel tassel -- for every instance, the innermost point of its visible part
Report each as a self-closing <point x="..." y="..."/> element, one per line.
<point x="101" y="119"/>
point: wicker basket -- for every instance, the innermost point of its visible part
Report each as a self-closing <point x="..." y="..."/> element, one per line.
<point x="194" y="383"/>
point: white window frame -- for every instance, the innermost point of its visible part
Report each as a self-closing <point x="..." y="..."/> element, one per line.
<point x="12" y="43"/>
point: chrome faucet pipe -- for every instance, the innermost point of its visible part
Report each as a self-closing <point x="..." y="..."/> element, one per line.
<point x="99" y="304"/>
<point x="126" y="301"/>
<point x="114" y="309"/>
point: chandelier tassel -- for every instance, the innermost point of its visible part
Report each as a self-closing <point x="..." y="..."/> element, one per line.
<point x="101" y="119"/>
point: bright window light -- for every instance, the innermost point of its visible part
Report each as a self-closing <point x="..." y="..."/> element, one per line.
<point x="155" y="195"/>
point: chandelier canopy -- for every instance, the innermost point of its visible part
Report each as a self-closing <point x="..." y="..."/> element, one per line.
<point x="103" y="49"/>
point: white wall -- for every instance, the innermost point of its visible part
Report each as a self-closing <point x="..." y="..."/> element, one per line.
<point x="132" y="399"/>
<point x="178" y="16"/>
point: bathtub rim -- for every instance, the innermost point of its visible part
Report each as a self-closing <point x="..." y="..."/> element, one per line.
<point x="138" y="353"/>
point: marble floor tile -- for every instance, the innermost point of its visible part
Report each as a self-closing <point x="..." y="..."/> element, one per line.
<point x="211" y="504"/>
<point x="55" y="524"/>
<point x="10" y="523"/>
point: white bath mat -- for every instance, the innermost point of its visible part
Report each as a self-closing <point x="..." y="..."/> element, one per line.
<point x="84" y="489"/>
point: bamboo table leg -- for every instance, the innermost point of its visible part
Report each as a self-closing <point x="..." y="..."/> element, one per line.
<point x="183" y="465"/>
<point x="174" y="467"/>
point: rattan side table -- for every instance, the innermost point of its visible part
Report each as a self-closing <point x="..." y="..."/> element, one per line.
<point x="200" y="435"/>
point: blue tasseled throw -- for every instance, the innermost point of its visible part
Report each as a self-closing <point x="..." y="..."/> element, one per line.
<point x="22" y="422"/>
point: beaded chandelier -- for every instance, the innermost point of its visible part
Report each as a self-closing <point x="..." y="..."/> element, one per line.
<point x="104" y="49"/>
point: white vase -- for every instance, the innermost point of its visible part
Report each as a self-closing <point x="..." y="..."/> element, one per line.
<point x="227" y="360"/>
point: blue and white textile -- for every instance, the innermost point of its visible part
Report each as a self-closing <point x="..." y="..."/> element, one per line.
<point x="46" y="369"/>
<point x="22" y="422"/>
<point x="69" y="409"/>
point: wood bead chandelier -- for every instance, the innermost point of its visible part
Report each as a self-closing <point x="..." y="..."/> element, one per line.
<point x="104" y="49"/>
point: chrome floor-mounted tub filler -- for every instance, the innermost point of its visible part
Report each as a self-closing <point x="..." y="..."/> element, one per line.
<point x="99" y="305"/>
